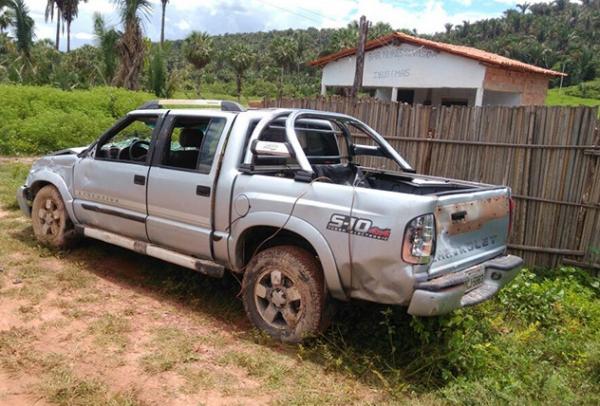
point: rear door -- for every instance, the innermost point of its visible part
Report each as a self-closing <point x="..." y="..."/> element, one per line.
<point x="110" y="182"/>
<point x="181" y="181"/>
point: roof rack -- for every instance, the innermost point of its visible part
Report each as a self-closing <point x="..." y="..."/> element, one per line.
<point x="224" y="105"/>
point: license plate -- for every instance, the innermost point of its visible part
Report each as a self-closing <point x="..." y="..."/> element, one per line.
<point x="475" y="277"/>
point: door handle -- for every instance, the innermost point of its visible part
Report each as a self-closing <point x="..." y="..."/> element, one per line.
<point x="202" y="190"/>
<point x="459" y="215"/>
<point x="139" y="180"/>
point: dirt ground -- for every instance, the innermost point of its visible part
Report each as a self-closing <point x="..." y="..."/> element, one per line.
<point x="102" y="325"/>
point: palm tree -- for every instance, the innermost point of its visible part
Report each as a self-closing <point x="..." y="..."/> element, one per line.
<point x="49" y="16"/>
<point x="70" y="10"/>
<point x="283" y="51"/>
<point x="240" y="57"/>
<point x="560" y="5"/>
<point x="162" y="21"/>
<point x="465" y="28"/>
<point x="343" y="38"/>
<point x="448" y="27"/>
<point x="131" y="44"/>
<point x="23" y="26"/>
<point x="524" y="7"/>
<point x="107" y="40"/>
<point x="6" y="20"/>
<point x="158" y="72"/>
<point x="198" y="50"/>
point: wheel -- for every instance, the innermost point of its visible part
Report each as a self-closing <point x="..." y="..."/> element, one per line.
<point x="284" y="293"/>
<point x="51" y="223"/>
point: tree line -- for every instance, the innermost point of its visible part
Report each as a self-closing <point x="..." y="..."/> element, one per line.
<point x="560" y="35"/>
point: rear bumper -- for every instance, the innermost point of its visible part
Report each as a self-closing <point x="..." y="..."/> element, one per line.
<point x="449" y="292"/>
<point x="23" y="200"/>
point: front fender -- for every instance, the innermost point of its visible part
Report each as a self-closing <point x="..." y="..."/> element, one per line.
<point x="45" y="176"/>
<point x="300" y="227"/>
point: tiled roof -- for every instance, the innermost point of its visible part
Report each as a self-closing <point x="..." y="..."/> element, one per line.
<point x="460" y="50"/>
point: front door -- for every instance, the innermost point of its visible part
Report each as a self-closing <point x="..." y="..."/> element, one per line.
<point x="180" y="182"/>
<point x="110" y="182"/>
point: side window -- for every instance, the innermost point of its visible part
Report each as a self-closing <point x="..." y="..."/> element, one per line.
<point x="193" y="142"/>
<point x="319" y="141"/>
<point x="211" y="141"/>
<point x="131" y="143"/>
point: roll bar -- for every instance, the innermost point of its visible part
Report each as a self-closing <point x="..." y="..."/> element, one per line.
<point x="340" y="119"/>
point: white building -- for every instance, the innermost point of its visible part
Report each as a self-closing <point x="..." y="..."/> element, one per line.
<point x="413" y="70"/>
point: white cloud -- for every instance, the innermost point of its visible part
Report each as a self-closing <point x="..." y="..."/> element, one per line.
<point x="84" y="36"/>
<point x="429" y="19"/>
<point x="513" y="2"/>
<point x="45" y="32"/>
<point x="229" y="16"/>
<point x="102" y="6"/>
<point x="183" y="25"/>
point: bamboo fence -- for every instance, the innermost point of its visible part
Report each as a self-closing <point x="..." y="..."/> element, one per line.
<point x="549" y="156"/>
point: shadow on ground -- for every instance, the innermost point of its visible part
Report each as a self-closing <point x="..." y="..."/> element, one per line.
<point x="365" y="340"/>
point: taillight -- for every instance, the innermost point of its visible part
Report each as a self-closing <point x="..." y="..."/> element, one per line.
<point x="511" y="213"/>
<point x="419" y="239"/>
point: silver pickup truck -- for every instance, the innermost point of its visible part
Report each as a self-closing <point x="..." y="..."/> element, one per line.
<point x="286" y="198"/>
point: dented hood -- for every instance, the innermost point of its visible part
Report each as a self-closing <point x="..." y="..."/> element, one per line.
<point x="70" y="151"/>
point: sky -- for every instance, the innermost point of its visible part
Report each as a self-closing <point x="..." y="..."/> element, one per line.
<point x="229" y="16"/>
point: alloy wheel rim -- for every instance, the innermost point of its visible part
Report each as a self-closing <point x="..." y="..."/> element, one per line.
<point x="50" y="217"/>
<point x="278" y="300"/>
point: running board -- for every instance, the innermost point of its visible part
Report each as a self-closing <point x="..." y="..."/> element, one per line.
<point x="203" y="266"/>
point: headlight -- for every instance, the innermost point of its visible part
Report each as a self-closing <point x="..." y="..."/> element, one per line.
<point x="419" y="239"/>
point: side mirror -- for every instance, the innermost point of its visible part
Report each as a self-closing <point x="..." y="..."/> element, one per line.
<point x="86" y="151"/>
<point x="263" y="149"/>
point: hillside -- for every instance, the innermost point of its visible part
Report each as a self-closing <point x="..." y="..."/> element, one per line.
<point x="562" y="36"/>
<point x="583" y="94"/>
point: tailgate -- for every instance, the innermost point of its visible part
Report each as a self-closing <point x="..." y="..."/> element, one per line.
<point x="471" y="228"/>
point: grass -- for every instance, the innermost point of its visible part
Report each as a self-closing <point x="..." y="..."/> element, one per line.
<point x="538" y="342"/>
<point x="261" y="364"/>
<point x="59" y="384"/>
<point x="14" y="353"/>
<point x="171" y="347"/>
<point x="11" y="177"/>
<point x="62" y="387"/>
<point x="42" y="119"/>
<point x="111" y="331"/>
<point x="561" y="97"/>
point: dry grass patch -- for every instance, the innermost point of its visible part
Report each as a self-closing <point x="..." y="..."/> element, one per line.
<point x="16" y="354"/>
<point x="111" y="331"/>
<point x="63" y="387"/>
<point x="169" y="348"/>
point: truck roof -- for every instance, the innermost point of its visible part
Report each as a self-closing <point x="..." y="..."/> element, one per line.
<point x="222" y="105"/>
<point x="198" y="105"/>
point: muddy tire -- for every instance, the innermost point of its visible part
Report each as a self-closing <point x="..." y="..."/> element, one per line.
<point x="284" y="293"/>
<point x="51" y="223"/>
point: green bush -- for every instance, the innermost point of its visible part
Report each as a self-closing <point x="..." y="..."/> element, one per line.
<point x="584" y="94"/>
<point x="589" y="90"/>
<point x="537" y="341"/>
<point x="37" y="120"/>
